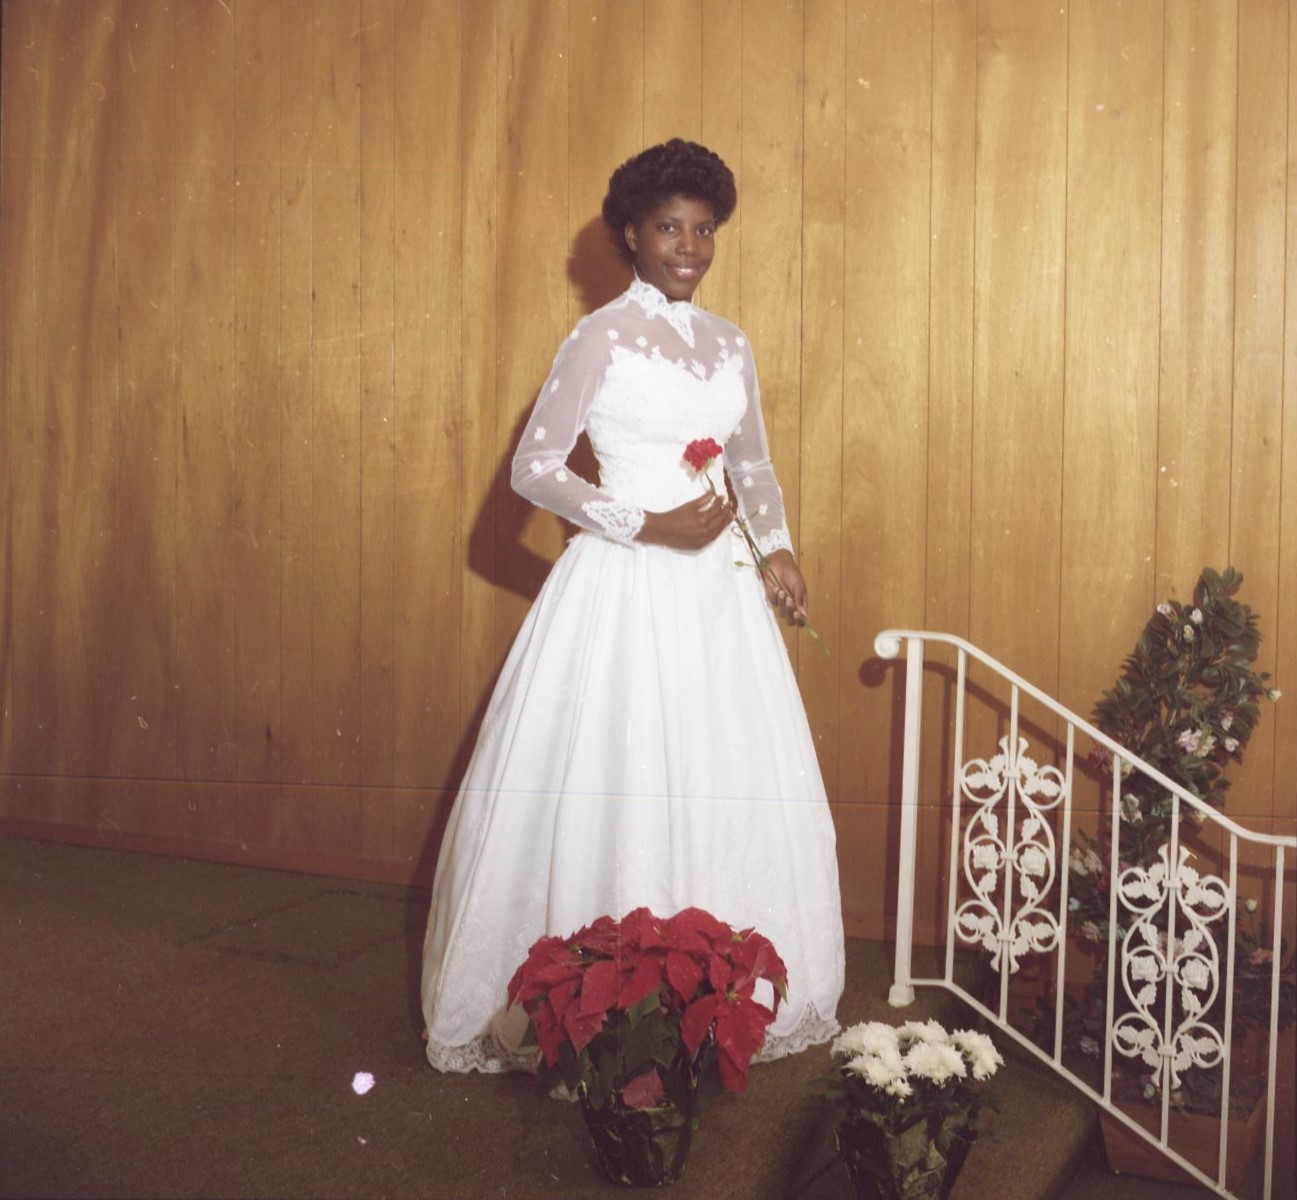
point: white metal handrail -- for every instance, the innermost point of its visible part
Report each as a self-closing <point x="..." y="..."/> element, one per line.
<point x="1026" y="842"/>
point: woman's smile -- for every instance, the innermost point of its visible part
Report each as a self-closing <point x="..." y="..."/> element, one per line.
<point x="673" y="245"/>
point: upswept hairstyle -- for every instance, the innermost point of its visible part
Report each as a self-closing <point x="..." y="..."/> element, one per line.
<point x="674" y="168"/>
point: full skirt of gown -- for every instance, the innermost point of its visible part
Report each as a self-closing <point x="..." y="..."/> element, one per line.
<point x="645" y="745"/>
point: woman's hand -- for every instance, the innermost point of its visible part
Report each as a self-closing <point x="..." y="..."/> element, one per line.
<point x="695" y="524"/>
<point x="785" y="587"/>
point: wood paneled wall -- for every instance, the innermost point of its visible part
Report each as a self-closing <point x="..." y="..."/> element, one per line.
<point x="281" y="280"/>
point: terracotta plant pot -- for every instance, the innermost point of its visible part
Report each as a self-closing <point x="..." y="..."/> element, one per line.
<point x="1194" y="1136"/>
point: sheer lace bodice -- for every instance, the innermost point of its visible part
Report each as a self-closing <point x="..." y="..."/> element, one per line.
<point x="644" y="376"/>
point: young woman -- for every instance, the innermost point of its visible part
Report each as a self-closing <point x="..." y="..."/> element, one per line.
<point x="646" y="743"/>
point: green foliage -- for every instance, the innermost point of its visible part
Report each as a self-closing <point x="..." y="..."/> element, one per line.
<point x="919" y="1162"/>
<point x="1186" y="702"/>
<point x="629" y="1044"/>
<point x="943" y="1111"/>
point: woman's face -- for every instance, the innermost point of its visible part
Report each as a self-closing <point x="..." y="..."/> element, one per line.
<point x="673" y="245"/>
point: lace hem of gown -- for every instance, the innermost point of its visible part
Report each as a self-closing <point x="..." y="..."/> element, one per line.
<point x="490" y="1056"/>
<point x="811" y="1030"/>
<point x="486" y="1054"/>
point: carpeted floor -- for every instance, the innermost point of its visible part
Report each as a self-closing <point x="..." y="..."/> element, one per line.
<point x="180" y="1029"/>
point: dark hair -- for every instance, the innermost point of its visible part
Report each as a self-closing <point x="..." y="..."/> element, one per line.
<point x="674" y="168"/>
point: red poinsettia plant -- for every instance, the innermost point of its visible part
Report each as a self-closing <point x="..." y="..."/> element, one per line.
<point x="645" y="1011"/>
<point x="699" y="455"/>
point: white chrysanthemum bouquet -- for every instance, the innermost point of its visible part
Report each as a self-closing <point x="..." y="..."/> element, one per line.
<point x="908" y="1104"/>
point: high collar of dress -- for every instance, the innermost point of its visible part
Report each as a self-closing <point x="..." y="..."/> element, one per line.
<point x="677" y="313"/>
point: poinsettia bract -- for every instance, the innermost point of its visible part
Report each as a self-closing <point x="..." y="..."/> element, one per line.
<point x="647" y="1005"/>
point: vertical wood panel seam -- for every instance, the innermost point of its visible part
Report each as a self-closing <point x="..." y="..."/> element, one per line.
<point x="464" y="365"/>
<point x="494" y="250"/>
<point x="9" y="720"/>
<point x="743" y="65"/>
<point x="279" y="353"/>
<point x="1161" y="318"/>
<point x="464" y="384"/>
<point x="9" y="723"/>
<point x="1284" y="408"/>
<point x="972" y="332"/>
<point x="644" y="70"/>
<point x="393" y="360"/>
<point x="567" y="145"/>
<point x="1059" y="640"/>
<point x="120" y="424"/>
<point x="1233" y="290"/>
<point x="310" y="393"/>
<point x="235" y="377"/>
<point x="927" y="402"/>
<point x="179" y="767"/>
<point x="361" y="380"/>
<point x="567" y="148"/>
<point x="799" y="541"/>
<point x="839" y="673"/>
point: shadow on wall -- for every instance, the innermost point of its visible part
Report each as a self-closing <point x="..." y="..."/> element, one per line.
<point x="496" y="549"/>
<point x="596" y="266"/>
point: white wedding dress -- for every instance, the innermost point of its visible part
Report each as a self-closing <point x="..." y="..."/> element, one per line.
<point x="646" y="742"/>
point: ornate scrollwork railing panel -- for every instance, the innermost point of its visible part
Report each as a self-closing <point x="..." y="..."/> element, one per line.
<point x="1151" y="960"/>
<point x="992" y="858"/>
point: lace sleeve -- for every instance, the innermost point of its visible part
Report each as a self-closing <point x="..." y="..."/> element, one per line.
<point x="747" y="460"/>
<point x="540" y="471"/>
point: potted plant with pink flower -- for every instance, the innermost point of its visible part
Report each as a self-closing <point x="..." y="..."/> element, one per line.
<point x="645" y="1020"/>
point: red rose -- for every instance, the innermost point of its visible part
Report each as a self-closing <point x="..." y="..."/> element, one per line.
<point x="700" y="452"/>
